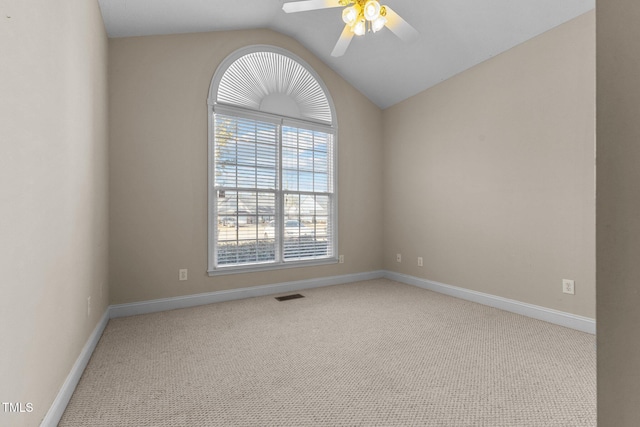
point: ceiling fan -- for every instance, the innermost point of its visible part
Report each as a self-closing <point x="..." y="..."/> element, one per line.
<point x="359" y="16"/>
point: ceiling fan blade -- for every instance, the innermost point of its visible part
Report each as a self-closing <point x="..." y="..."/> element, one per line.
<point x="343" y="42"/>
<point x="305" y="5"/>
<point x="400" y="27"/>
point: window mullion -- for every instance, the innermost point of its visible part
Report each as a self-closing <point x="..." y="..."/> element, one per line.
<point x="257" y="191"/>
<point x="279" y="220"/>
<point x="298" y="159"/>
<point x="313" y="163"/>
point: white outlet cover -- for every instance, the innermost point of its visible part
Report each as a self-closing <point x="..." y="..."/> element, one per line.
<point x="568" y="286"/>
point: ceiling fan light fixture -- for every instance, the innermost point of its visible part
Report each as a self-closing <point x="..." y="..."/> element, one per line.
<point x="360" y="17"/>
<point x="371" y="10"/>
<point x="378" y="23"/>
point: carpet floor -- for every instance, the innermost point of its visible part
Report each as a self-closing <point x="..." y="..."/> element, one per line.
<point x="373" y="353"/>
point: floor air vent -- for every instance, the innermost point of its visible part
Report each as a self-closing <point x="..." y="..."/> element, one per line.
<point x="288" y="297"/>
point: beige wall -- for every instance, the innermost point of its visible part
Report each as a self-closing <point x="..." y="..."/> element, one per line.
<point x="618" y="213"/>
<point x="489" y="176"/>
<point x="158" y="89"/>
<point x="53" y="194"/>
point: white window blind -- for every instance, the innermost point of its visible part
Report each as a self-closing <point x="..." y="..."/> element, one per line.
<point x="307" y="188"/>
<point x="274" y="192"/>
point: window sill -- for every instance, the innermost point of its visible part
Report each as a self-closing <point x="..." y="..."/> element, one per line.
<point x="235" y="269"/>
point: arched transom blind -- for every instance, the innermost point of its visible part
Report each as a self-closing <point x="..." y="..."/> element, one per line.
<point x="274" y="83"/>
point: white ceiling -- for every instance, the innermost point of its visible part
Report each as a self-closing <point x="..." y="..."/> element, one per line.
<point x="454" y="34"/>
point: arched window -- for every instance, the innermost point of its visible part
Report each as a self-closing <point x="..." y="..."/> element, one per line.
<point x="272" y="164"/>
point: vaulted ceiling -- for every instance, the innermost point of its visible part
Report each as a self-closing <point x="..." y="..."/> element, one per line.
<point x="454" y="35"/>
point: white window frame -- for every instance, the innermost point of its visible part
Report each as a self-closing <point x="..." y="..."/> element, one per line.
<point x="215" y="107"/>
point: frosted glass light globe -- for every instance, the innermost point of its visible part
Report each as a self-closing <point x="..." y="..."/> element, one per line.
<point x="360" y="28"/>
<point x="378" y="24"/>
<point x="371" y="10"/>
<point x="349" y="15"/>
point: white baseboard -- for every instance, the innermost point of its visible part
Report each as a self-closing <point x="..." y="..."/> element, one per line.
<point x="152" y="306"/>
<point x="580" y="323"/>
<point x="561" y="318"/>
<point x="64" y="395"/>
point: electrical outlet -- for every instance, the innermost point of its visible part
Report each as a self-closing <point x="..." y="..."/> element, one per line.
<point x="182" y="274"/>
<point x="420" y="261"/>
<point x="399" y="257"/>
<point x="568" y="286"/>
<point x="341" y="259"/>
<point x="88" y="306"/>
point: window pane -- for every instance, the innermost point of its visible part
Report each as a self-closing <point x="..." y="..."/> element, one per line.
<point x="304" y="237"/>
<point x="306" y="181"/>
<point x="322" y="206"/>
<point x="267" y="178"/>
<point x="227" y="253"/>
<point x="321" y="140"/>
<point x="241" y="227"/>
<point x="266" y="208"/>
<point x="226" y="175"/>
<point x="247" y="203"/>
<point x="304" y="247"/>
<point x="289" y="158"/>
<point x="321" y="227"/>
<point x="266" y="133"/>
<point x="320" y="161"/>
<point x="246" y="153"/>
<point x="290" y="180"/>
<point x="321" y="182"/>
<point x="266" y="155"/>
<point x="305" y="160"/>
<point x="289" y="137"/>
<point x="292" y="206"/>
<point x="246" y="177"/>
<point x="305" y="139"/>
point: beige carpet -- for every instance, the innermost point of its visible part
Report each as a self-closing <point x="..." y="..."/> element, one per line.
<point x="363" y="354"/>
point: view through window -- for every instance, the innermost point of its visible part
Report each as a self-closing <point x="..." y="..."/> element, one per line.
<point x="274" y="192"/>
